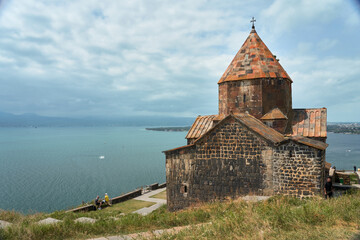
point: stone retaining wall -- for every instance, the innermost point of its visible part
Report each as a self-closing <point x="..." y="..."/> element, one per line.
<point x="119" y="199"/>
<point x="126" y="196"/>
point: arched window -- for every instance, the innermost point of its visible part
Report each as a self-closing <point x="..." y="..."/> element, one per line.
<point x="244" y="98"/>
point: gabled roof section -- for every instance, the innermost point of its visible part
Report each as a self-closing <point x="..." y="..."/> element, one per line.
<point x="260" y="128"/>
<point x="253" y="60"/>
<point x="310" y="142"/>
<point x="309" y="122"/>
<point x="253" y="124"/>
<point x="201" y="125"/>
<point x="275" y="113"/>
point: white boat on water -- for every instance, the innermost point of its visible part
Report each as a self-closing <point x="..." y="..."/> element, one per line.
<point x="101" y="157"/>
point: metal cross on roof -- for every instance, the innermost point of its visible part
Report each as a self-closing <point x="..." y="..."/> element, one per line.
<point x="253" y="21"/>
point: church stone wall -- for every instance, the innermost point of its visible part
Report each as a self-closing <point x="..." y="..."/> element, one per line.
<point x="257" y="96"/>
<point x="241" y="96"/>
<point x="229" y="162"/>
<point x="179" y="172"/>
<point x="276" y="93"/>
<point x="298" y="170"/>
<point x="233" y="161"/>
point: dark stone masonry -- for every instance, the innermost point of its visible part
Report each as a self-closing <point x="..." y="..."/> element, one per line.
<point x="298" y="170"/>
<point x="253" y="146"/>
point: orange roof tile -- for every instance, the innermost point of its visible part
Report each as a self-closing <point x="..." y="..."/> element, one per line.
<point x="253" y="60"/>
<point x="201" y="125"/>
<point x="309" y="122"/>
<point x="274" y="114"/>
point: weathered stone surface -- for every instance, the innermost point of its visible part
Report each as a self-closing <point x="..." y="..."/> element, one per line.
<point x="255" y="198"/>
<point x="298" y="169"/>
<point x="258" y="97"/>
<point x="49" y="221"/>
<point x="226" y="163"/>
<point x="4" y="224"/>
<point x="85" y="220"/>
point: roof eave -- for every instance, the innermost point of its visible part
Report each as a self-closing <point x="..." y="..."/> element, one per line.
<point x="179" y="148"/>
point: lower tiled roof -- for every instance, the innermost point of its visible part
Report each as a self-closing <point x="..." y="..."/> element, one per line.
<point x="201" y="125"/>
<point x="309" y="122"/>
<point x="310" y="142"/>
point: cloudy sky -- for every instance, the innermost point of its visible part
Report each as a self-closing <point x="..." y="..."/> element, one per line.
<point x="116" y="58"/>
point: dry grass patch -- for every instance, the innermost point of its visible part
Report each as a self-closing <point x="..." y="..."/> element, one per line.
<point x="280" y="218"/>
<point x="128" y="206"/>
<point x="161" y="195"/>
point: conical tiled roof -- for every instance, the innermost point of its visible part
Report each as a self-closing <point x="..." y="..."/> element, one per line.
<point x="253" y="60"/>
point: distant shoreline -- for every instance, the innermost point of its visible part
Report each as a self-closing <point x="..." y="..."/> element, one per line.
<point x="350" y="128"/>
<point x="353" y="128"/>
<point x="169" y="129"/>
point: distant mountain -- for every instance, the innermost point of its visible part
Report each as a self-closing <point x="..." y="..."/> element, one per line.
<point x="34" y="120"/>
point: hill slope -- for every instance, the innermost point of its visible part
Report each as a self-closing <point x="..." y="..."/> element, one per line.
<point x="277" y="218"/>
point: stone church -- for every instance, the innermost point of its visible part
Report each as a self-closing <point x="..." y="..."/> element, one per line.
<point x="257" y="144"/>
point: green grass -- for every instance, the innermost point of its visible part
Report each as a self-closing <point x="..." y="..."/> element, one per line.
<point x="278" y="218"/>
<point x="114" y="211"/>
<point x="127" y="207"/>
<point x="161" y="195"/>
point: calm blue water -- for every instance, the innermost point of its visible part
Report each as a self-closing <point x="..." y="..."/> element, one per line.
<point x="343" y="150"/>
<point x="47" y="169"/>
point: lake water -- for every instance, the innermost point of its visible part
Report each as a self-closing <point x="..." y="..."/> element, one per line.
<point x="47" y="169"/>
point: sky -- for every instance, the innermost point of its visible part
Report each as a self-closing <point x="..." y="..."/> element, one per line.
<point x="164" y="58"/>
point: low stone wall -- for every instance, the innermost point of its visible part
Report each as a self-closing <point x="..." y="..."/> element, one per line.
<point x="86" y="208"/>
<point x="154" y="186"/>
<point x="119" y="199"/>
<point x="126" y="196"/>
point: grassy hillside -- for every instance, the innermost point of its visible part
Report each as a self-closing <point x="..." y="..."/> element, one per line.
<point x="277" y="218"/>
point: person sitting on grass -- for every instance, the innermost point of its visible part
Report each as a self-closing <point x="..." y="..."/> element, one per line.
<point x="98" y="202"/>
<point x="328" y="189"/>
<point x="107" y="199"/>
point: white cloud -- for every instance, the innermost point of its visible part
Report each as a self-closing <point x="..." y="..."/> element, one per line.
<point x="6" y="60"/>
<point x="327" y="44"/>
<point x="287" y="15"/>
<point x="158" y="57"/>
